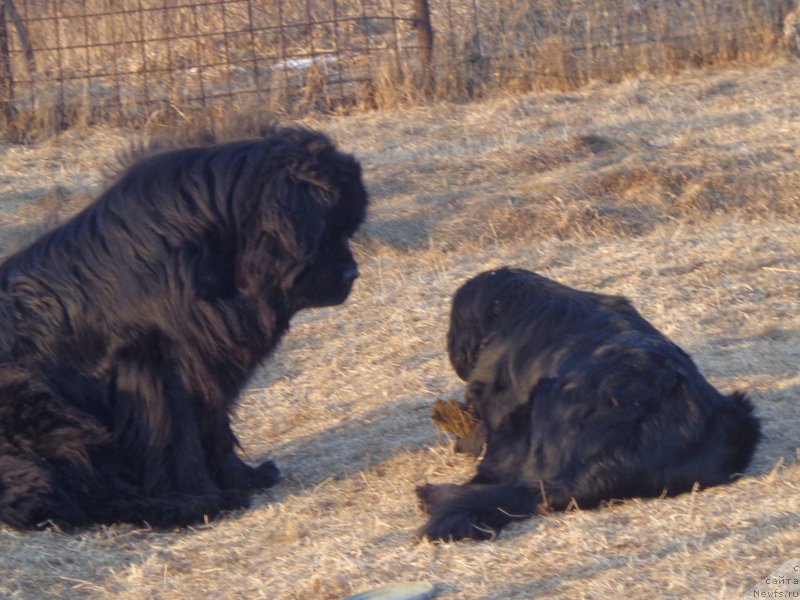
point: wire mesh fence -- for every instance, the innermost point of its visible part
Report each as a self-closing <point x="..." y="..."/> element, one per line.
<point x="64" y="62"/>
<point x="68" y="61"/>
<point x="545" y="44"/>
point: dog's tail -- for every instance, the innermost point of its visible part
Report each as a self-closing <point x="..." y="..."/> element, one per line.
<point x="743" y="431"/>
<point x="724" y="451"/>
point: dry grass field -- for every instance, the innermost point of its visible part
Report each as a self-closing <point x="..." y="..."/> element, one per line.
<point x="682" y="193"/>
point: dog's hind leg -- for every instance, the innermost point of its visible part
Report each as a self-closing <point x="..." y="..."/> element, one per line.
<point x="25" y="490"/>
<point x="41" y="438"/>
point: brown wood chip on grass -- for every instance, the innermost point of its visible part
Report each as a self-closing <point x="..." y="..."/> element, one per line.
<point x="453" y="417"/>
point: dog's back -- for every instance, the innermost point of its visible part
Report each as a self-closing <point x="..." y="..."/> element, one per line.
<point x="599" y="380"/>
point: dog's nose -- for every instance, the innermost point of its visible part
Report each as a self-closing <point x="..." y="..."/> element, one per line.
<point x="350" y="274"/>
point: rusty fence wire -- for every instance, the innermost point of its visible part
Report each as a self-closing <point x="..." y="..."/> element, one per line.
<point x="66" y="62"/>
<point x="522" y="45"/>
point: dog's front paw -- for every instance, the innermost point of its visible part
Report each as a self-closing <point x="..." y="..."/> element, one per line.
<point x="431" y="496"/>
<point x="452" y="527"/>
<point x="266" y="475"/>
<point x="235" y="474"/>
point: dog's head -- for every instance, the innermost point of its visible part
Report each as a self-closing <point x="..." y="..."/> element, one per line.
<point x="495" y="305"/>
<point x="296" y="237"/>
<point x="477" y="307"/>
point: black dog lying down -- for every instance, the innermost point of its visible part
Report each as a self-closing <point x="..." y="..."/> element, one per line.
<point x="577" y="397"/>
<point x="127" y="333"/>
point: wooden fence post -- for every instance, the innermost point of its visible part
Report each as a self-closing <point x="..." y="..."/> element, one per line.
<point x="422" y="22"/>
<point x="6" y="79"/>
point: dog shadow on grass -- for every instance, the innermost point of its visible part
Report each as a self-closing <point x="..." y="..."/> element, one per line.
<point x="353" y="445"/>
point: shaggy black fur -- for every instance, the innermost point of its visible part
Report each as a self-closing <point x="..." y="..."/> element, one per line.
<point x="127" y="333"/>
<point x="578" y="397"/>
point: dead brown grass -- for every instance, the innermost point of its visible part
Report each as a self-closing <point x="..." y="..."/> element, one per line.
<point x="681" y="194"/>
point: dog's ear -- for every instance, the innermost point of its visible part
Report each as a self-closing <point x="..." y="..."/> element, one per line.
<point x="463" y="344"/>
<point x="304" y="189"/>
<point x="314" y="166"/>
<point x="470" y="320"/>
<point x="283" y="232"/>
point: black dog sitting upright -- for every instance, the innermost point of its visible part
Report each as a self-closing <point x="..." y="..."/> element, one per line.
<point x="576" y="396"/>
<point x="127" y="333"/>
